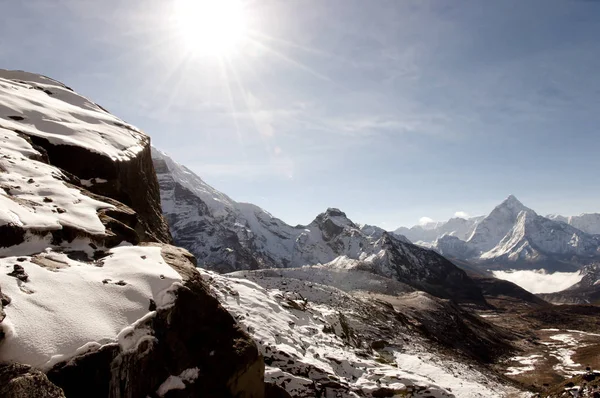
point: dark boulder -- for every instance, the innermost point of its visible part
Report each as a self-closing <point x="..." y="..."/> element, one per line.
<point x="274" y="391"/>
<point x="20" y="381"/>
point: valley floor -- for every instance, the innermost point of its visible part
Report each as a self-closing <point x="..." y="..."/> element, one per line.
<point x="551" y="356"/>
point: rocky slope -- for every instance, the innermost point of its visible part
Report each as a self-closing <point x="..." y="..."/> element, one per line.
<point x="372" y="339"/>
<point x="94" y="302"/>
<point x="227" y="236"/>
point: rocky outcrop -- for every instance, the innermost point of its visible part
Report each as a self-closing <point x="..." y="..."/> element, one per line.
<point x="93" y="300"/>
<point x="18" y="381"/>
<point x="131" y="182"/>
<point x="195" y="333"/>
<point x="50" y="131"/>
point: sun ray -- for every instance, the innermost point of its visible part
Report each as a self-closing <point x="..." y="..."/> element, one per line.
<point x="291" y="44"/>
<point x="290" y="60"/>
<point x="232" y="104"/>
<point x="242" y="90"/>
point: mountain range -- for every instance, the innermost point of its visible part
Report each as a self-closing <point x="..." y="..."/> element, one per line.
<point x="514" y="236"/>
<point x="226" y="236"/>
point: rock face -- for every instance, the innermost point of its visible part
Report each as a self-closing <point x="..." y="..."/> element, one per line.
<point x="229" y="236"/>
<point x="194" y="335"/>
<point x="93" y="300"/>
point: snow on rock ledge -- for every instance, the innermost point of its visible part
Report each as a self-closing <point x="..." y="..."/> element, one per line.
<point x="100" y="317"/>
<point x="95" y="150"/>
<point x="44" y="108"/>
<point x="35" y="198"/>
<point x="64" y="307"/>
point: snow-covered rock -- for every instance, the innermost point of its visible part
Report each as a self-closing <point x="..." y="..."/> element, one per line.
<point x="534" y="238"/>
<point x="45" y="121"/>
<point x="90" y="293"/>
<point x="492" y="229"/>
<point x="63" y="307"/>
<point x="228" y="236"/>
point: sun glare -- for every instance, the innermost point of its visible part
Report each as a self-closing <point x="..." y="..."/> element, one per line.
<point x="211" y="27"/>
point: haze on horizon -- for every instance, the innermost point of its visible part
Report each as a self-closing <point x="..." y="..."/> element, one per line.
<point x="391" y="111"/>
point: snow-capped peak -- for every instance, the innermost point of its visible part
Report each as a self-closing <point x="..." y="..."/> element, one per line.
<point x="514" y="204"/>
<point x="492" y="229"/>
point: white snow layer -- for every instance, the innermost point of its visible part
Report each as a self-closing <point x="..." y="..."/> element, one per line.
<point x="178" y="382"/>
<point x="52" y="111"/>
<point x="79" y="306"/>
<point x="33" y="195"/>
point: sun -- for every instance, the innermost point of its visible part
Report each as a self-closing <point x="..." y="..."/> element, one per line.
<point x="211" y="27"/>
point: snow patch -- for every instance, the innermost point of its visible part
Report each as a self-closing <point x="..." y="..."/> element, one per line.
<point x="188" y="376"/>
<point x="56" y="312"/>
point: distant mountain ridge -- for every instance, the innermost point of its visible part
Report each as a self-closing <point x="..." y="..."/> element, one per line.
<point x="459" y="227"/>
<point x="589" y="222"/>
<point x="515" y="236"/>
<point x="227" y="236"/>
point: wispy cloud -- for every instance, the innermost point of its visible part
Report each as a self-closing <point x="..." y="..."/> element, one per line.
<point x="462" y="214"/>
<point x="425" y="220"/>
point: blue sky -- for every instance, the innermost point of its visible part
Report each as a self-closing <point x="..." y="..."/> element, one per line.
<point x="389" y="110"/>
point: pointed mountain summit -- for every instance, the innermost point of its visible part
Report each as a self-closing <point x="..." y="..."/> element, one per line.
<point x="492" y="229"/>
